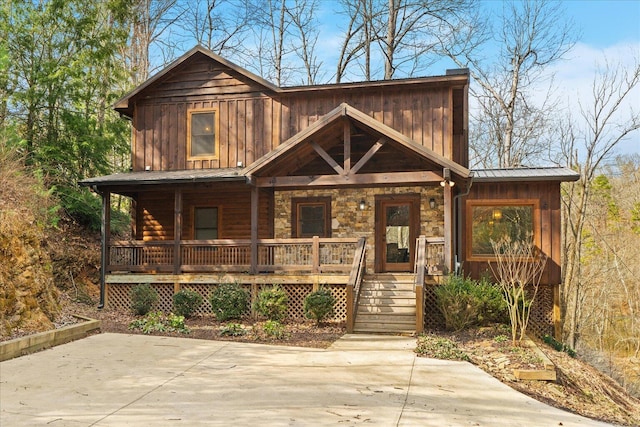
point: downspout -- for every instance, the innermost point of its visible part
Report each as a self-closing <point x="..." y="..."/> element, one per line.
<point x="457" y="241"/>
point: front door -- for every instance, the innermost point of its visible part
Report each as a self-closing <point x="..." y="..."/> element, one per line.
<point x="397" y="224"/>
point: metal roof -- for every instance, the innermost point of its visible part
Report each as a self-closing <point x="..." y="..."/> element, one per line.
<point x="525" y="174"/>
<point x="167" y="177"/>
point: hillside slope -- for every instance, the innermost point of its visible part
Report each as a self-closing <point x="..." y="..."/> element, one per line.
<point x="28" y="296"/>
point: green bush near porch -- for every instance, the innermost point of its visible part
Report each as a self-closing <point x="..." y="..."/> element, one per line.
<point x="186" y="302"/>
<point x="465" y="302"/>
<point x="143" y="298"/>
<point x="229" y="301"/>
<point x="272" y="303"/>
<point x="319" y="304"/>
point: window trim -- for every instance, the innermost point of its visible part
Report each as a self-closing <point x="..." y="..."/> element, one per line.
<point x="193" y="221"/>
<point x="296" y="202"/>
<point x="216" y="133"/>
<point x="470" y="204"/>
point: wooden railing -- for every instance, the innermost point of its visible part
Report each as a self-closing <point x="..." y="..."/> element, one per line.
<point x="355" y="279"/>
<point x="418" y="286"/>
<point x="315" y="255"/>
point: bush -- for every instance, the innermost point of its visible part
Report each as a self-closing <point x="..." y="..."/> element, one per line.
<point x="274" y="329"/>
<point x="143" y="298"/>
<point x="186" y="302"/>
<point x="318" y="305"/>
<point x="158" y="322"/>
<point x="465" y="302"/>
<point x="272" y="303"/>
<point x="233" y="330"/>
<point x="229" y="301"/>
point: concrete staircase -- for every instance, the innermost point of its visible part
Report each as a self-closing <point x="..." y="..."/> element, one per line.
<point x="387" y="304"/>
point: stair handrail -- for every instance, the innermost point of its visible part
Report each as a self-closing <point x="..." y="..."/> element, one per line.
<point x="420" y="267"/>
<point x="355" y="279"/>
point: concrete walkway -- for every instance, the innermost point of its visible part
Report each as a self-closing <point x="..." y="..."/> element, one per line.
<point x="118" y="380"/>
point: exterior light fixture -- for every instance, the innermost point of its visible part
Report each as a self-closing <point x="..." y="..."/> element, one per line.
<point x="362" y="205"/>
<point x="446" y="178"/>
<point x="497" y="214"/>
<point x="432" y="203"/>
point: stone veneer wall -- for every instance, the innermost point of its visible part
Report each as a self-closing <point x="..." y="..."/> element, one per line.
<point x="347" y="220"/>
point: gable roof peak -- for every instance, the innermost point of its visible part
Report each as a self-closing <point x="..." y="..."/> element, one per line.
<point x="122" y="105"/>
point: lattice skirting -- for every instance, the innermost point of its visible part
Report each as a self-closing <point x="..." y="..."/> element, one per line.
<point x="541" y="321"/>
<point x="118" y="297"/>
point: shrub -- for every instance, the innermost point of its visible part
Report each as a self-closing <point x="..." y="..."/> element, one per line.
<point x="156" y="321"/>
<point x="319" y="304"/>
<point x="186" y="302"/>
<point x="233" y="330"/>
<point x="465" y="302"/>
<point x="272" y="303"/>
<point x="143" y="298"/>
<point x="558" y="346"/>
<point x="274" y="329"/>
<point x="229" y="301"/>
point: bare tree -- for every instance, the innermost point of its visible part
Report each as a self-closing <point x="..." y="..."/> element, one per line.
<point x="518" y="269"/>
<point x="401" y="33"/>
<point x="150" y="19"/>
<point x="532" y="35"/>
<point x="285" y="33"/>
<point x="585" y="150"/>
<point x="302" y="15"/>
<point x="218" y="25"/>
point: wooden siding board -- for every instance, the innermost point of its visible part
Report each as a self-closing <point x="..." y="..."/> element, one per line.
<point x="249" y="136"/>
<point x="241" y="125"/>
<point x="257" y="124"/>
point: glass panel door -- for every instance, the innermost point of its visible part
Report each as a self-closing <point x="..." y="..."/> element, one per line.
<point x="397" y="236"/>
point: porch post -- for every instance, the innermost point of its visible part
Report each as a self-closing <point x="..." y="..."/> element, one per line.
<point x="105" y="233"/>
<point x="254" y="229"/>
<point x="177" y="231"/>
<point x="448" y="227"/>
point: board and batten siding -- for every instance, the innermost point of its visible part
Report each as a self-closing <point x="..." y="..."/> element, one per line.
<point x="548" y="195"/>
<point x="253" y="121"/>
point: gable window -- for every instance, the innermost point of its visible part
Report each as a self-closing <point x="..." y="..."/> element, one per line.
<point x="497" y="220"/>
<point x="205" y="222"/>
<point x="311" y="216"/>
<point x="202" y="134"/>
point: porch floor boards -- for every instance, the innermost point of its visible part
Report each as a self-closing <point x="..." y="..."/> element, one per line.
<point x="387" y="304"/>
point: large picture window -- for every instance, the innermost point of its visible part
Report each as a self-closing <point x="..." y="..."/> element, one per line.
<point x="205" y="222"/>
<point x="202" y="134"/>
<point x="311" y="217"/>
<point x="489" y="221"/>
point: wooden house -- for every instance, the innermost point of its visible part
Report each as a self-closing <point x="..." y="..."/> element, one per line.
<point x="363" y="188"/>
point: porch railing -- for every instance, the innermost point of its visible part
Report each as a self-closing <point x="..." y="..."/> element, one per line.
<point x="358" y="268"/>
<point x="429" y="261"/>
<point x="313" y="255"/>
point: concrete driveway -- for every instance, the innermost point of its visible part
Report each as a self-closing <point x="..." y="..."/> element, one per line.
<point x="133" y="380"/>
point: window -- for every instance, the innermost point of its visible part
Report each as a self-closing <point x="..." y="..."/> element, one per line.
<point x="205" y="222"/>
<point x="311" y="217"/>
<point x="494" y="220"/>
<point x="202" y="135"/>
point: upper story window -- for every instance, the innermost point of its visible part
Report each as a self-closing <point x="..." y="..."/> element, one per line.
<point x="205" y="223"/>
<point x="202" y="134"/>
<point x="494" y="220"/>
<point x="311" y="216"/>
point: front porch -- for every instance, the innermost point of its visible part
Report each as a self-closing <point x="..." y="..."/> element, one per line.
<point x="299" y="266"/>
